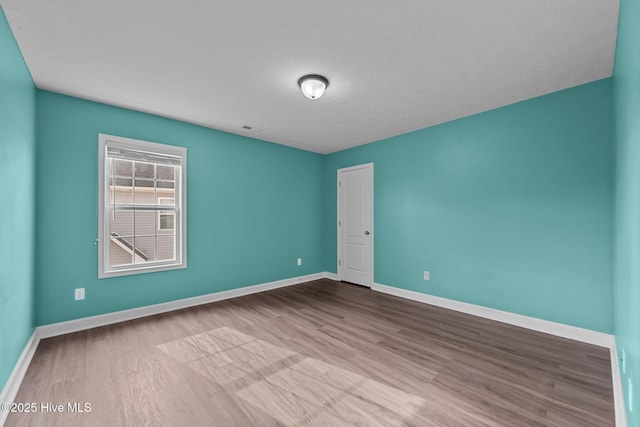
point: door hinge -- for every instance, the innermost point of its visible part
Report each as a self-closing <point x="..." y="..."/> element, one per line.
<point x="339" y="183"/>
<point x="339" y="262"/>
<point x="339" y="223"/>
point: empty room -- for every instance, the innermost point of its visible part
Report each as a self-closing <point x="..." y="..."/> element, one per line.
<point x="287" y="213"/>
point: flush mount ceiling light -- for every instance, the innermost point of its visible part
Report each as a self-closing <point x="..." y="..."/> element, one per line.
<point x="313" y="85"/>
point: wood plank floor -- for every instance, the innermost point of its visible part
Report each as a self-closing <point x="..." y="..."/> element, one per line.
<point x="318" y="354"/>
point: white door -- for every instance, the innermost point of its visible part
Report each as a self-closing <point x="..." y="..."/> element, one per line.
<point x="355" y="224"/>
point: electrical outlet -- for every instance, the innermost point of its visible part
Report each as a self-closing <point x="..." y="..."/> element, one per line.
<point x="426" y="275"/>
<point x="299" y="261"/>
<point x="79" y="294"/>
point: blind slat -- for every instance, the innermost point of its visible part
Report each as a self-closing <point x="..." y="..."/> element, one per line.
<point x="143" y="156"/>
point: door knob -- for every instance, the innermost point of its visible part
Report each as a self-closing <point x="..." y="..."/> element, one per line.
<point x="366" y="233"/>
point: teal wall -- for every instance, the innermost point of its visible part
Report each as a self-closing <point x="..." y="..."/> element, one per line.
<point x="626" y="108"/>
<point x="17" y="175"/>
<point x="253" y="209"/>
<point x="509" y="209"/>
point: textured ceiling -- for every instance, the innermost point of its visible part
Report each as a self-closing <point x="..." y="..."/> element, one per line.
<point x="393" y="67"/>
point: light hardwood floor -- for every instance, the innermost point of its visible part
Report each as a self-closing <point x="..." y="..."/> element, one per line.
<point x="318" y="354"/>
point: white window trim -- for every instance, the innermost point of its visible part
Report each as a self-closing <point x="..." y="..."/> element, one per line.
<point x="103" y="200"/>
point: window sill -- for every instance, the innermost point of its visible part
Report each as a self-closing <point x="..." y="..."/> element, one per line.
<point x="141" y="270"/>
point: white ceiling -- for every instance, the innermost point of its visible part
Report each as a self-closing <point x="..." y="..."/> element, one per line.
<point x="393" y="66"/>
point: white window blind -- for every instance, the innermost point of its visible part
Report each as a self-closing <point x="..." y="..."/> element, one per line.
<point x="115" y="152"/>
<point x="143" y="201"/>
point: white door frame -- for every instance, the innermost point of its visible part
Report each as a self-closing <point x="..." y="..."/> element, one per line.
<point x="362" y="166"/>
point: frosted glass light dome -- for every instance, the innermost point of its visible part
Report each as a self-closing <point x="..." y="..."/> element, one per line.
<point x="313" y="85"/>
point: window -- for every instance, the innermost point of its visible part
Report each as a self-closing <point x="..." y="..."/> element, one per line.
<point x="166" y="219"/>
<point x="142" y="212"/>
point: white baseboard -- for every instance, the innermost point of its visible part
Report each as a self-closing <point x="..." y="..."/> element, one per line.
<point x="559" y="329"/>
<point x="618" y="392"/>
<point x="566" y="331"/>
<point x="332" y="276"/>
<point x="76" y="325"/>
<point x="12" y="385"/>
